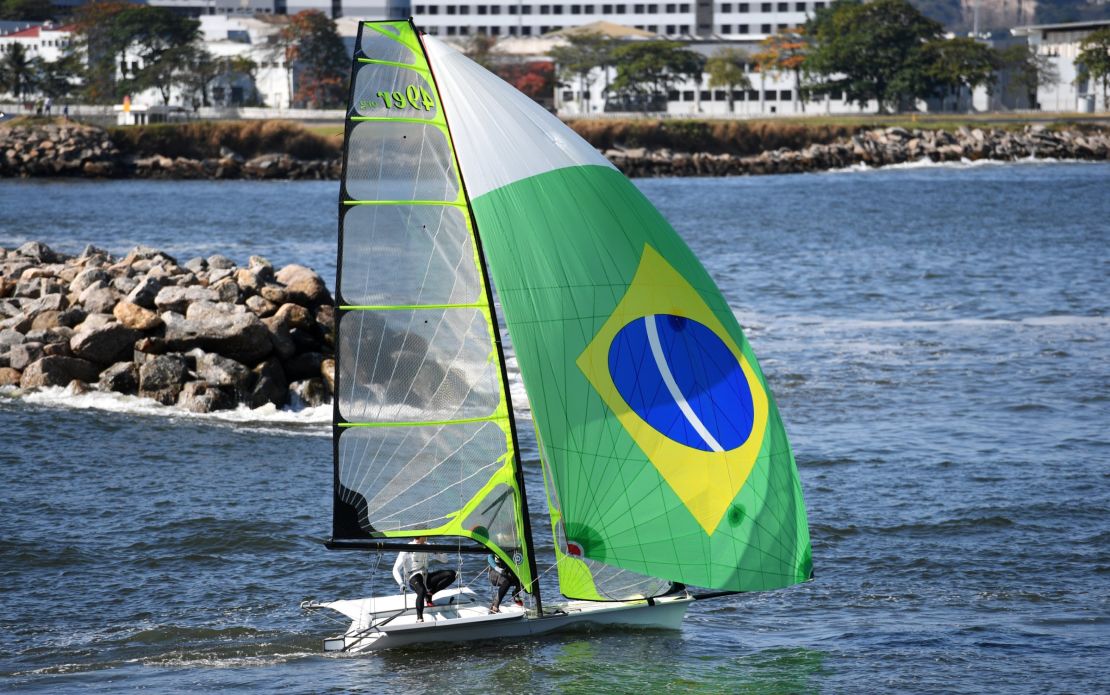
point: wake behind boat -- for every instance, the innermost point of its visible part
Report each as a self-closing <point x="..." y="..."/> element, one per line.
<point x="665" y="461"/>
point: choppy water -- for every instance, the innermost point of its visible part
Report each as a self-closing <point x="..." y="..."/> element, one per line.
<point x="938" y="339"/>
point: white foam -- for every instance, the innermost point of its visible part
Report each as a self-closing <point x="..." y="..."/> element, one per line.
<point x="762" y="322"/>
<point x="964" y="163"/>
<point x="267" y="416"/>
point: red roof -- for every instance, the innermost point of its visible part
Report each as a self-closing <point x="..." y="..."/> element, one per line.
<point x="28" y="33"/>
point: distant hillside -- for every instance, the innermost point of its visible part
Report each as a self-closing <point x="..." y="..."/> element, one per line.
<point x="994" y="15"/>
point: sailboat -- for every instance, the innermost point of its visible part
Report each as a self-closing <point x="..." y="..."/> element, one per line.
<point x="665" y="462"/>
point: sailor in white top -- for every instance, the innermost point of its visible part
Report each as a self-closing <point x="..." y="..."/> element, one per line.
<point x="412" y="568"/>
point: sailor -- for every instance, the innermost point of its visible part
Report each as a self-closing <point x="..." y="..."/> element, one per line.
<point x="503" y="577"/>
<point x="413" y="567"/>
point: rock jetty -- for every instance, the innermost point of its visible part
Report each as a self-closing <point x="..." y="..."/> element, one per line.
<point x="204" y="335"/>
<point x="78" y="150"/>
<point x="878" y="147"/>
<point x="73" y="149"/>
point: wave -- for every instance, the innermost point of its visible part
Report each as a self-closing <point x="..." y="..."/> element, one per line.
<point x="305" y="419"/>
<point x="964" y="163"/>
<point x="1054" y="321"/>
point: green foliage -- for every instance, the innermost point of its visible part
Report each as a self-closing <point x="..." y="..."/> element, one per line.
<point x="955" y="64"/>
<point x="1093" y="60"/>
<point x="59" y="79"/>
<point x="203" y="139"/>
<point x="581" y="54"/>
<point x="726" y="69"/>
<point x="871" y="51"/>
<point x="314" y="52"/>
<point x="1028" y="70"/>
<point x="26" y="10"/>
<point x="17" y="71"/>
<point x="647" y="69"/>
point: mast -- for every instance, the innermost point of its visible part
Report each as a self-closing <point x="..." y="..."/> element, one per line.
<point x="518" y="466"/>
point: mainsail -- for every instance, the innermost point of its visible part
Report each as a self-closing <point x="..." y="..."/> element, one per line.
<point x="663" y="444"/>
<point x="424" y="443"/>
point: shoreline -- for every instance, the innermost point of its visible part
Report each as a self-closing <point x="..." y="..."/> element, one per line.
<point x="55" y="150"/>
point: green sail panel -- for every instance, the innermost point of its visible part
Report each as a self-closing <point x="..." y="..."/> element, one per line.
<point x="666" y="450"/>
<point x="423" y="436"/>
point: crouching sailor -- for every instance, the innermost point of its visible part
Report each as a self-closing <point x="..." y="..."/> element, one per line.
<point x="411" y="567"/>
<point x="502" y="577"/>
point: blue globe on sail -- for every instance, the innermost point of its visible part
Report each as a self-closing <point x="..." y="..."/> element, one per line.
<point x="682" y="379"/>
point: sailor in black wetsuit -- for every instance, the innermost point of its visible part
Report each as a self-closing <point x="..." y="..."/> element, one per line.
<point x="501" y="576"/>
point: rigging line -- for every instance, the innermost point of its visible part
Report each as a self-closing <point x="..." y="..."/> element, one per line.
<point x="424" y="477"/>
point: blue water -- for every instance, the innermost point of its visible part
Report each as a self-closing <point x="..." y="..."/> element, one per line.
<point x="938" y="340"/>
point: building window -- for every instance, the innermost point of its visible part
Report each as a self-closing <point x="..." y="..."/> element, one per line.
<point x="653" y="9"/>
<point x="743" y="7"/>
<point x="670" y="28"/>
<point x="753" y="95"/>
<point x="671" y="7"/>
<point x="512" y="9"/>
<point x="786" y="95"/>
<point x="638" y="9"/>
<point x="818" y="5"/>
<point x="688" y="95"/>
<point x="482" y="9"/>
<point x="782" y="27"/>
<point x="526" y="9"/>
<point x="464" y="9"/>
<point x="418" y="9"/>
<point x="621" y="9"/>
<point x="433" y="9"/>
<point x="568" y="95"/>
<point x="673" y="95"/>
<point x="765" y="7"/>
<point x="800" y="6"/>
<point x="557" y="9"/>
<point x="526" y="31"/>
<point x="738" y="95"/>
<point x="769" y="95"/>
<point x="495" y="9"/>
<point x="545" y="9"/>
<point x="704" y="95"/>
<point x="683" y="7"/>
<point x="765" y="28"/>
<point x="653" y="28"/>
<point x="606" y="9"/>
<point x="784" y="7"/>
<point x="451" y="31"/>
<point x="495" y="31"/>
<point x="576" y="9"/>
<point x="742" y="29"/>
<point x="725" y="29"/>
<point x="589" y="9"/>
<point x="450" y="9"/>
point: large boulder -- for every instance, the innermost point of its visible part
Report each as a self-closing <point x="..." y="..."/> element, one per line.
<point x="136" y="317"/>
<point x="145" y="292"/>
<point x="121" y="377"/>
<point x="20" y="356"/>
<point x="303" y="285"/>
<point x="304" y="366"/>
<point x="240" y="336"/>
<point x="100" y="300"/>
<point x="308" y="393"/>
<point x="104" y="344"/>
<point x="270" y="385"/>
<point x="88" y="277"/>
<point x="200" y="397"/>
<point x="162" y="376"/>
<point x="9" y="376"/>
<point x="222" y="371"/>
<point x="57" y="371"/>
<point x="177" y="299"/>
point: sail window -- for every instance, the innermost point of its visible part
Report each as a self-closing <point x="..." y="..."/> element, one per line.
<point x="407" y="255"/>
<point x="426" y="365"/>
<point x="401" y="162"/>
<point x="414" y="478"/>
<point x="378" y="42"/>
<point x="388" y="91"/>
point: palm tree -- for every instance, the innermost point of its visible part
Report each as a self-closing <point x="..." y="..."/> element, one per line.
<point x="17" y="71"/>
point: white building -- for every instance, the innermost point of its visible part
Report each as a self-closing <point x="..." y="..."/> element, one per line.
<point x="749" y="20"/>
<point x="45" y="41"/>
<point x="1060" y="42"/>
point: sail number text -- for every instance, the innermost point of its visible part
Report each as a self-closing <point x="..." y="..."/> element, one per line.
<point x="414" y="96"/>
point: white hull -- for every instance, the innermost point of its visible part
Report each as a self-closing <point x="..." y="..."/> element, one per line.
<point x="458" y="616"/>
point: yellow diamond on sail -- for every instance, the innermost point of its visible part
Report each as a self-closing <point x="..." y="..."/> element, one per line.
<point x="679" y="384"/>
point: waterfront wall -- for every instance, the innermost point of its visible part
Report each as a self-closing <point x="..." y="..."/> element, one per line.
<point x="70" y="149"/>
<point x="203" y="335"/>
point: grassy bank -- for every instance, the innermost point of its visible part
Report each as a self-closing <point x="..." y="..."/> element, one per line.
<point x="203" y="139"/>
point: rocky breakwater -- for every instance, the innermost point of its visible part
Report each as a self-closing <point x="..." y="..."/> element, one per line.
<point x="878" y="147"/>
<point x="204" y="335"/>
<point x="72" y="149"/>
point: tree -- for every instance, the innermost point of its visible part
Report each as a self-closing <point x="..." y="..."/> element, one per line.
<point x="313" y="51"/>
<point x="60" y="78"/>
<point x="726" y="69"/>
<point x="580" y="56"/>
<point x="26" y="10"/>
<point x="480" y="49"/>
<point x="784" y="52"/>
<point x="871" y="51"/>
<point x="1093" y="61"/>
<point x="104" y="45"/>
<point x="956" y="64"/>
<point x="166" y="44"/>
<point x="647" y="69"/>
<point x="17" y="71"/>
<point x="1028" y="70"/>
<point x="534" y="78"/>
